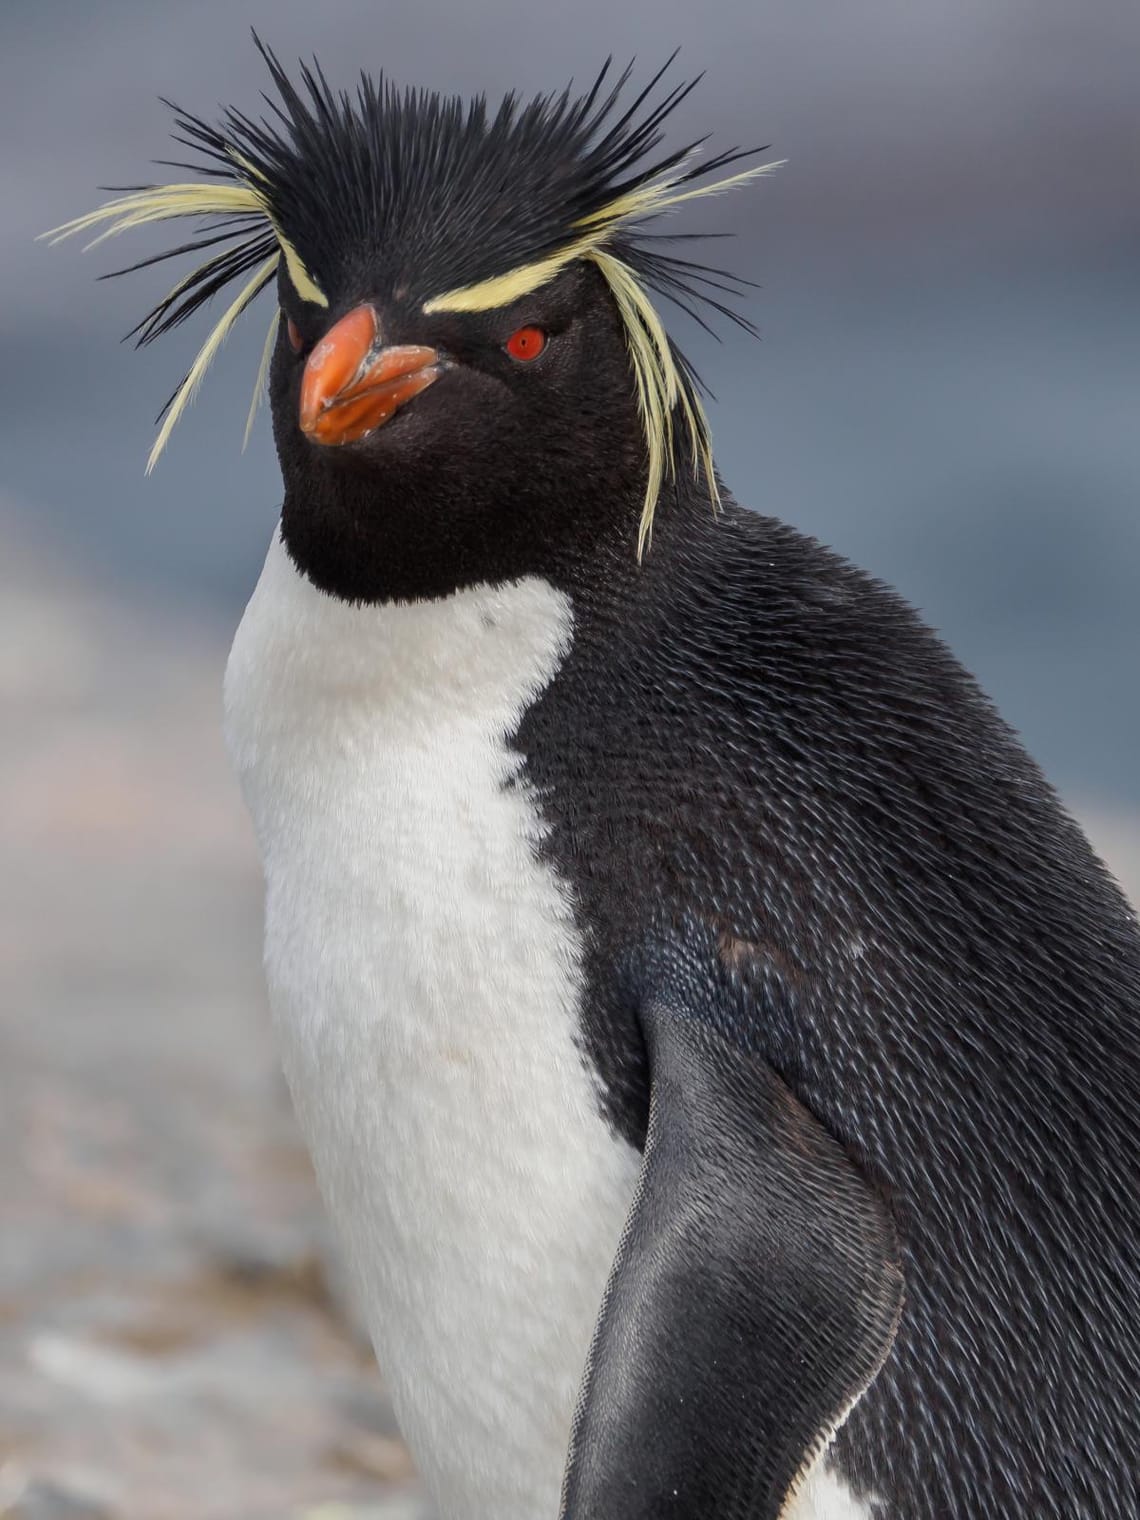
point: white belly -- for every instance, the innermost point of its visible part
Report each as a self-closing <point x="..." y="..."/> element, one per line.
<point x="424" y="977"/>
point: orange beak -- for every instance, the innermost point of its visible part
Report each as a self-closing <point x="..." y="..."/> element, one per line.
<point x="351" y="385"/>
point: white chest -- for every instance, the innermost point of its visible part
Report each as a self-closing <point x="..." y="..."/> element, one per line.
<point x="424" y="977"/>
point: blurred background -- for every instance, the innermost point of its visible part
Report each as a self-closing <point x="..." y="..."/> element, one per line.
<point x="947" y="390"/>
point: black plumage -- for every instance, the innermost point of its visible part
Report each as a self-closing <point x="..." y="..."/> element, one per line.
<point x="779" y="781"/>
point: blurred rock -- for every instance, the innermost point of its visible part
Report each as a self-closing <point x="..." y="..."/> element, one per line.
<point x="406" y="1506"/>
<point x="38" y="1500"/>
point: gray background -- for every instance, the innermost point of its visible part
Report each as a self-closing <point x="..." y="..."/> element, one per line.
<point x="947" y="390"/>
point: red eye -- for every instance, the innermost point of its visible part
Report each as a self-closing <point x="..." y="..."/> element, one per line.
<point x="294" y="332"/>
<point x="526" y="344"/>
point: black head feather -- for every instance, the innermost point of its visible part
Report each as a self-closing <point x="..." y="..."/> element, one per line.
<point x="431" y="193"/>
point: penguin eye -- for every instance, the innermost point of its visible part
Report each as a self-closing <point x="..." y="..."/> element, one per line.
<point x="296" y="342"/>
<point x="526" y="344"/>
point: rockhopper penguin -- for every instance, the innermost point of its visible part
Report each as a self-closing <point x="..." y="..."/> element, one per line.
<point x="717" y="1047"/>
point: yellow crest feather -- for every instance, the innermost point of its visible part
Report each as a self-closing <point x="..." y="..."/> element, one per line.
<point x="158" y="203"/>
<point x="262" y="377"/>
<point x="137" y="208"/>
<point x="656" y="378"/>
<point x="220" y="332"/>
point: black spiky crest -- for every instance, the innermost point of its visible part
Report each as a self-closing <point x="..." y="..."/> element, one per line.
<point x="454" y="205"/>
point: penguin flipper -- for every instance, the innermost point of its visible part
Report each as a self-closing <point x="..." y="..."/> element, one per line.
<point x="754" y="1296"/>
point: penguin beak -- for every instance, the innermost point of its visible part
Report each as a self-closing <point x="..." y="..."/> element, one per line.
<point x="352" y="385"/>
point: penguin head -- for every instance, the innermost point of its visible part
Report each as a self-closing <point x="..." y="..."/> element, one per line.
<point x="422" y="451"/>
<point x="466" y="365"/>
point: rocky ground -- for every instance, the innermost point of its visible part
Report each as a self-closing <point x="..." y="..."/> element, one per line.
<point x="170" y="1348"/>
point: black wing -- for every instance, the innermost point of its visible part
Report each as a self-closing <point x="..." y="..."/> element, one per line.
<point x="754" y="1296"/>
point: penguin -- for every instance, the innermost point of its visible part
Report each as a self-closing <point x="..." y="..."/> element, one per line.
<point x="717" y="1047"/>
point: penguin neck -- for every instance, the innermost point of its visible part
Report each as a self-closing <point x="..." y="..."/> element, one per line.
<point x="367" y="539"/>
